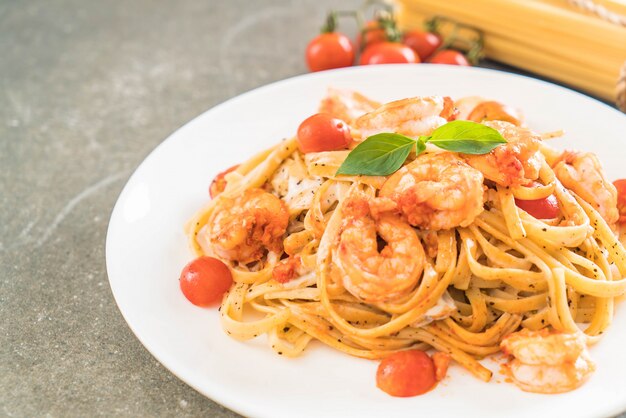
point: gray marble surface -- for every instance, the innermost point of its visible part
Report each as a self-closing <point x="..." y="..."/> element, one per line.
<point x="87" y="90"/>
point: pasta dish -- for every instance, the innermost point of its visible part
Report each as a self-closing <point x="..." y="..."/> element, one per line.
<point x="424" y="224"/>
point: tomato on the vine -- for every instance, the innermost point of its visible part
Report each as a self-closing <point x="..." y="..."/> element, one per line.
<point x="423" y="43"/>
<point x="205" y="280"/>
<point x="388" y="53"/>
<point x="329" y="50"/>
<point x="372" y="33"/>
<point x="449" y="56"/>
<point x="406" y="373"/>
<point x="322" y="132"/>
<point x="546" y="208"/>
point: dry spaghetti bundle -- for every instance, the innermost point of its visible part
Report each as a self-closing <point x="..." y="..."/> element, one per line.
<point x="581" y="43"/>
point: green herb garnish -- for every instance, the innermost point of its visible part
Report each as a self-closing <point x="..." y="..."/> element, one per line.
<point x="383" y="154"/>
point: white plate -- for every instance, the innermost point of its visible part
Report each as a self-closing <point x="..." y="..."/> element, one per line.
<point x="146" y="250"/>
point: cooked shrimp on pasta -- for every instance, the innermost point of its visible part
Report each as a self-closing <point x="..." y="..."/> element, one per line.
<point x="420" y="225"/>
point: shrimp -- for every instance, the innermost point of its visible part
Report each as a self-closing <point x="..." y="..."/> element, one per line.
<point x="516" y="163"/>
<point x="435" y="191"/>
<point x="411" y="117"/>
<point x="582" y="173"/>
<point x="465" y="105"/>
<point x="479" y="109"/>
<point x="547" y="361"/>
<point x="491" y="110"/>
<point x="371" y="275"/>
<point x="346" y="105"/>
<point x="242" y="228"/>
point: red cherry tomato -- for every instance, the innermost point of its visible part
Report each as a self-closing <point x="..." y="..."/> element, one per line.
<point x="546" y="208"/>
<point x="205" y="280"/>
<point x="322" y="132"/>
<point x="620" y="185"/>
<point x="449" y="56"/>
<point x="219" y="182"/>
<point x="423" y="43"/>
<point x="329" y="50"/>
<point x="406" y="373"/>
<point x="372" y="33"/>
<point x="388" y="53"/>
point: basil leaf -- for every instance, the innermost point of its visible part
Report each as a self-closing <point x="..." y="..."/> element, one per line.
<point x="379" y="155"/>
<point x="383" y="154"/>
<point x="466" y="137"/>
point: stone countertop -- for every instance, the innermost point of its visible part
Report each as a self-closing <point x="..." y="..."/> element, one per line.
<point x="87" y="90"/>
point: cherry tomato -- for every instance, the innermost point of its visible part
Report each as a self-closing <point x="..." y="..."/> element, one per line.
<point x="406" y="373"/>
<point x="322" y="132"/>
<point x="372" y="33"/>
<point x="546" y="208"/>
<point x="423" y="43"/>
<point x="620" y="185"/>
<point x="205" y="280"/>
<point x="388" y="53"/>
<point x="449" y="56"/>
<point x="329" y="50"/>
<point x="219" y="182"/>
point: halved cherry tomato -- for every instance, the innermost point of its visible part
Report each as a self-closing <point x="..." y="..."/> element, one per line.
<point x="449" y="56"/>
<point x="406" y="373"/>
<point x="219" y="182"/>
<point x="388" y="53"/>
<point x="371" y="34"/>
<point x="322" y="132"/>
<point x="423" y="43"/>
<point x="620" y="185"/>
<point x="546" y="208"/>
<point x="205" y="280"/>
<point x="329" y="50"/>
